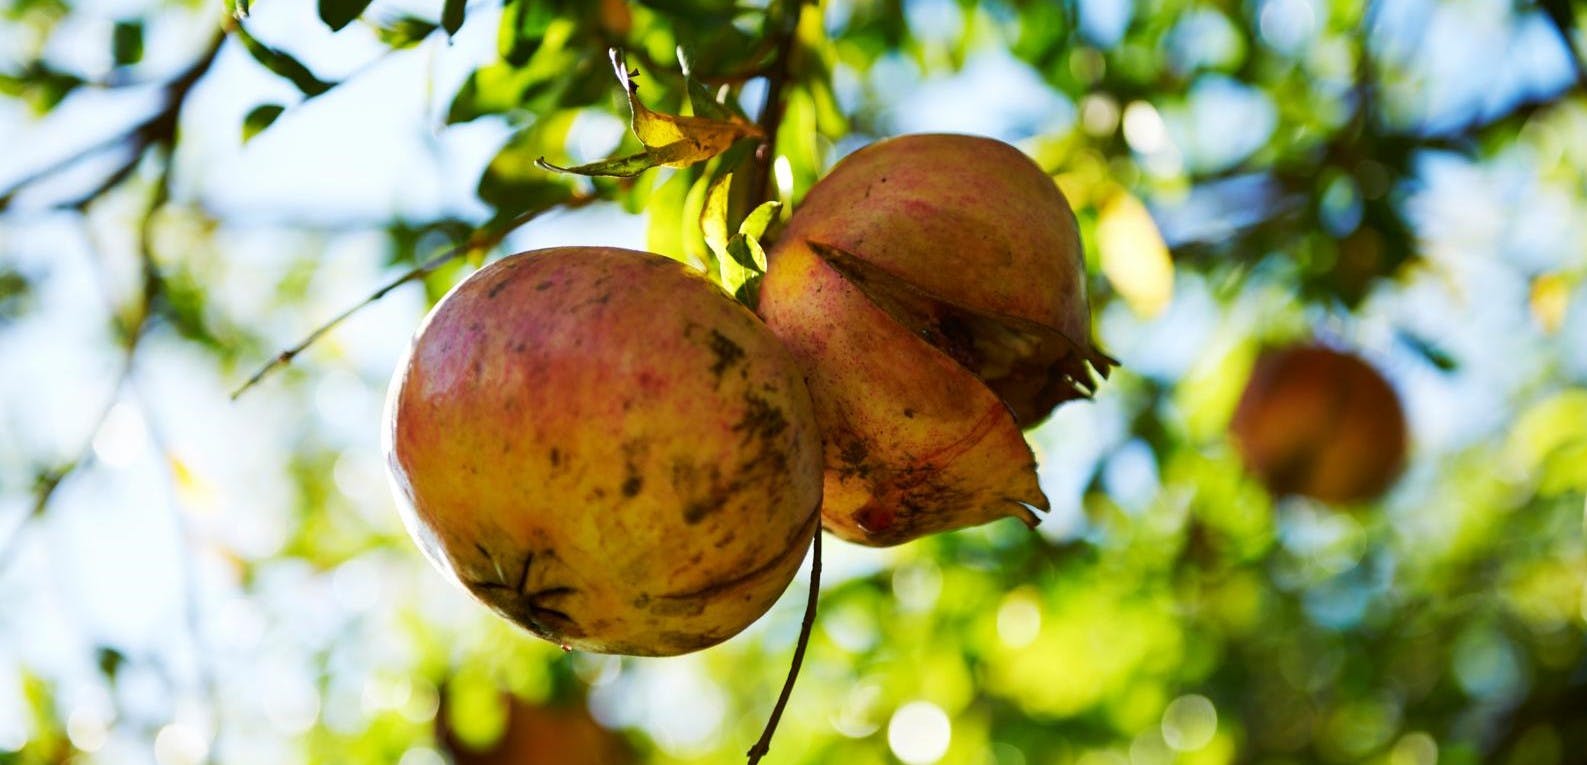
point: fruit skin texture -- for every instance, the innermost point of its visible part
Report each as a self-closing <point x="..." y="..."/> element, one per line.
<point x="1320" y="423"/>
<point x="971" y="223"/>
<point x="607" y="450"/>
<point x="932" y="287"/>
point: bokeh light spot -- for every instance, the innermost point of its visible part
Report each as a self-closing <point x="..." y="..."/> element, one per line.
<point x="1189" y="723"/>
<point x="177" y="744"/>
<point x="919" y="733"/>
<point x="1414" y="749"/>
<point x="1018" y="619"/>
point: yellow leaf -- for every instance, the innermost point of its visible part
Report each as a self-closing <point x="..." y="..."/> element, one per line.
<point x="713" y="218"/>
<point x="195" y="494"/>
<point x="1550" y="301"/>
<point x="1134" y="257"/>
<point x="689" y="139"/>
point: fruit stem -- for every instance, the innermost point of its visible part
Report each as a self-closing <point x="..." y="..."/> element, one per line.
<point x="763" y="746"/>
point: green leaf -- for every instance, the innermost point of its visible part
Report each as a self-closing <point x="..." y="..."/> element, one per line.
<point x="623" y="167"/>
<point x="747" y="252"/>
<point x="40" y="86"/>
<point x="759" y="219"/>
<point x="1434" y="355"/>
<point x="282" y="64"/>
<point x="748" y="293"/>
<point x="339" y="13"/>
<point x="405" y="31"/>
<point x="260" y="118"/>
<point x="126" y="42"/>
<point x="16" y="294"/>
<point x="524" y="24"/>
<point x="663" y="234"/>
<point x="110" y="662"/>
<point x="452" y="16"/>
<point x="700" y="98"/>
<point x="488" y="90"/>
<point x="513" y="182"/>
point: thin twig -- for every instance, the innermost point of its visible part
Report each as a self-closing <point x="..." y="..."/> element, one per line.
<point x="763" y="745"/>
<point x="51" y="481"/>
<point x="158" y="129"/>
<point x="483" y="239"/>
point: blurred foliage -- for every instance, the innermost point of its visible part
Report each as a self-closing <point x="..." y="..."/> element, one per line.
<point x="1253" y="169"/>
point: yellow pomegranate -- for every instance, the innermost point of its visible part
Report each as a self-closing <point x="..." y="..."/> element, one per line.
<point x="933" y="289"/>
<point x="1320" y="423"/>
<point x="606" y="449"/>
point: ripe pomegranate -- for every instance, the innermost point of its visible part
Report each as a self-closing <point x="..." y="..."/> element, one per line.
<point x="933" y="289"/>
<point x="606" y="449"/>
<point x="564" y="733"/>
<point x="1320" y="423"/>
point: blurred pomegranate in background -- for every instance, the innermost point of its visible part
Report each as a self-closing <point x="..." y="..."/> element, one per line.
<point x="559" y="733"/>
<point x="1320" y="423"/>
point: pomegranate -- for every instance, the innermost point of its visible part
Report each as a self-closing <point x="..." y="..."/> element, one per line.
<point x="933" y="289"/>
<point x="1317" y="422"/>
<point x="606" y="449"/>
<point x="564" y="733"/>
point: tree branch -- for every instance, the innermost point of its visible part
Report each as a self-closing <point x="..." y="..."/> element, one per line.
<point x="483" y="239"/>
<point x="763" y="745"/>
<point x="770" y="119"/>
<point x="159" y="129"/>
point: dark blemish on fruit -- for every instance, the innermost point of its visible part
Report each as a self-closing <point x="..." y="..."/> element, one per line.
<point x="727" y="353"/>
<point x="632" y="486"/>
<point x="696" y="511"/>
<point x="496" y="289"/>
<point x="687" y="642"/>
<point x="909" y="414"/>
<point x="852" y="454"/>
<point x="556" y="457"/>
<point x="543" y="286"/>
<point x="520" y="347"/>
<point x="761" y="420"/>
<point x="479" y="368"/>
<point x="668" y="606"/>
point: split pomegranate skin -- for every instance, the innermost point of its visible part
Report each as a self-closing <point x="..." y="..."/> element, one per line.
<point x="933" y="289"/>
